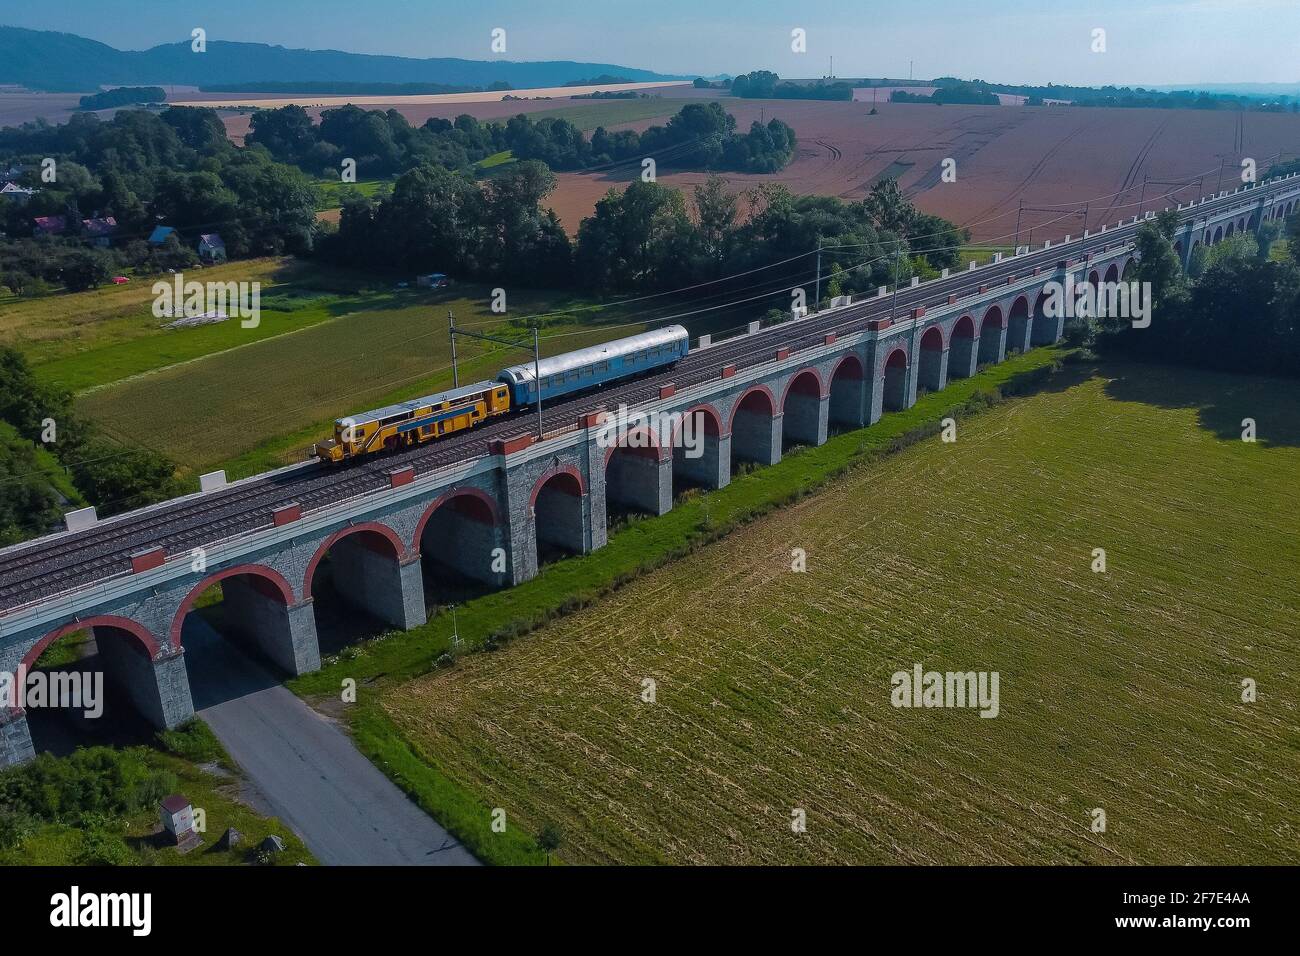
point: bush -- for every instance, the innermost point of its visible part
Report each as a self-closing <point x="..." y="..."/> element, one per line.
<point x="192" y="740"/>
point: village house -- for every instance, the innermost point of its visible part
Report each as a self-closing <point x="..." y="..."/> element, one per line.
<point x="160" y="234"/>
<point x="100" y="231"/>
<point x="211" y="248"/>
<point x="16" y="194"/>
<point x="50" y="225"/>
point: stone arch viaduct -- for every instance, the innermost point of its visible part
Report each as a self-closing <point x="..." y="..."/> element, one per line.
<point x="489" y="505"/>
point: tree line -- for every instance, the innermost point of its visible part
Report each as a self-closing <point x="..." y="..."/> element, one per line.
<point x="766" y="85"/>
<point x="700" y="136"/>
<point x="647" y="237"/>
<point x="123" y="96"/>
<point x="1241" y="313"/>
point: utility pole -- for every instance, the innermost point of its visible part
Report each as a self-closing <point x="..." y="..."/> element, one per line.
<point x="537" y="377"/>
<point x="1019" y="211"/>
<point x="1223" y="162"/>
<point x="455" y="632"/>
<point x="451" y="331"/>
<point x="516" y="344"/>
<point x="1142" y="203"/>
<point x="817" y="296"/>
<point x="893" y="305"/>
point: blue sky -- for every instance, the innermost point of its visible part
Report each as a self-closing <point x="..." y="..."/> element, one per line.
<point x="1151" y="42"/>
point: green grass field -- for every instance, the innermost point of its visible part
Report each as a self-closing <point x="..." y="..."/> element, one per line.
<point x="1119" y="691"/>
<point x="330" y="192"/>
<point x="263" y="405"/>
<point x="980" y="254"/>
<point x="86" y="340"/>
<point x="328" y="342"/>
<point x="588" y="114"/>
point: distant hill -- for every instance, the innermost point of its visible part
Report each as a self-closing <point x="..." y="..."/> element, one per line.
<point x="63" y="62"/>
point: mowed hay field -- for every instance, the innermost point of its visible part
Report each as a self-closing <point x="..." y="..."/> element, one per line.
<point x="1119" y="691"/>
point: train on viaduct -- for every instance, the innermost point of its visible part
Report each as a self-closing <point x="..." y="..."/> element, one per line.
<point x="489" y="502"/>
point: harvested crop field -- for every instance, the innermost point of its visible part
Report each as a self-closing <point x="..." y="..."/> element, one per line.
<point x="419" y="108"/>
<point x="1045" y="155"/>
<point x="1119" y="691"/>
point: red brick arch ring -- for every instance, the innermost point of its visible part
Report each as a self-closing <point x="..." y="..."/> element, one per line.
<point x="1001" y="317"/>
<point x="857" y="362"/>
<point x="708" y="410"/>
<point x="651" y="451"/>
<point x="735" y="408"/>
<point x="141" y="633"/>
<point x="385" y="532"/>
<point x="480" y="498"/>
<point x="272" y="581"/>
<point x="890" y="363"/>
<point x="555" y="472"/>
<point x="802" y="374"/>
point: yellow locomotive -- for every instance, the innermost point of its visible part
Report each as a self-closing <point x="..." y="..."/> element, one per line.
<point x="418" y="420"/>
<point x="519" y="386"/>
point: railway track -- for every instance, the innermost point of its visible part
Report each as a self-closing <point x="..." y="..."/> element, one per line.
<point x="58" y="563"/>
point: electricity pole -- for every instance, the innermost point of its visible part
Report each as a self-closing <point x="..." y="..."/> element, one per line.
<point x="537" y="376"/>
<point x="817" y="296"/>
<point x="515" y="344"/>
<point x="451" y="332"/>
<point x="893" y="305"/>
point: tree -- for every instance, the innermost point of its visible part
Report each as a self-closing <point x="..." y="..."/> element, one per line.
<point x="86" y="269"/>
<point x="1293" y="238"/>
<point x="517" y="233"/>
<point x="29" y="505"/>
<point x="199" y="128"/>
<point x="549" y="839"/>
<point x="760" y="84"/>
<point x="715" y="215"/>
<point x="638" y="239"/>
<point x="118" y="479"/>
<point x="890" y="208"/>
<point x="287" y="133"/>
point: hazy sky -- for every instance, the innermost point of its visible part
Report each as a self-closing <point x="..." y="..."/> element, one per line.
<point x="1152" y="42"/>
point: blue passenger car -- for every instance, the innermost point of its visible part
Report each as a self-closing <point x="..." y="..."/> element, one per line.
<point x="586" y="368"/>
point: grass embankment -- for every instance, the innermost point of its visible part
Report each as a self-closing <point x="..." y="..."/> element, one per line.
<point x="100" y="807"/>
<point x="1119" y="690"/>
<point x="381" y="666"/>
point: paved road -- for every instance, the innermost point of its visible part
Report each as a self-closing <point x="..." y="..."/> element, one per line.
<point x="305" y="770"/>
